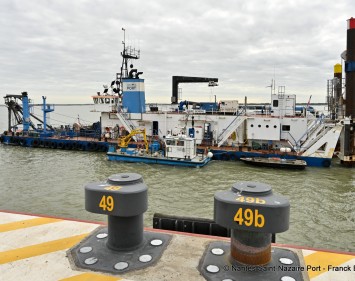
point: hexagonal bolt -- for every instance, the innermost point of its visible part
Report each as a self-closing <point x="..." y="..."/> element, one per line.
<point x="253" y="213"/>
<point x="124" y="198"/>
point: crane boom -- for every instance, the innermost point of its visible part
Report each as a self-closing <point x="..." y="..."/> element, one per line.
<point x="124" y="141"/>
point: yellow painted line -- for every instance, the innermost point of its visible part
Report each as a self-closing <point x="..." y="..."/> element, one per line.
<point x="321" y="261"/>
<point x="26" y="223"/>
<point x="40" y="249"/>
<point x="91" y="277"/>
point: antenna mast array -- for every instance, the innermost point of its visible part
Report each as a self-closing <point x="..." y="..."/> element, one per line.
<point x="129" y="53"/>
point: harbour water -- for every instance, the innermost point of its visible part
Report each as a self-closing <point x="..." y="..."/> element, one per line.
<point x="51" y="182"/>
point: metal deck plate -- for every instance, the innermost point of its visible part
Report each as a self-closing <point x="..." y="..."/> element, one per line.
<point x="93" y="254"/>
<point x="216" y="265"/>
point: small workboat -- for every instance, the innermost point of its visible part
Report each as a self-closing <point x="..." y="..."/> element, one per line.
<point x="176" y="151"/>
<point x="275" y="162"/>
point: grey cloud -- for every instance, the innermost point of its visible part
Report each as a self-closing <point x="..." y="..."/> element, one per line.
<point x="68" y="49"/>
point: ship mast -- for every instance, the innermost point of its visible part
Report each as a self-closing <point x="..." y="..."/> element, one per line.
<point x="129" y="53"/>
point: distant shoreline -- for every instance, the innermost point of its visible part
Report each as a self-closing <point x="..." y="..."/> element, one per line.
<point x="80" y="104"/>
<point x="59" y="104"/>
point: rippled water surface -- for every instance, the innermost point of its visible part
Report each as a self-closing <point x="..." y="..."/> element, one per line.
<point x="51" y="182"/>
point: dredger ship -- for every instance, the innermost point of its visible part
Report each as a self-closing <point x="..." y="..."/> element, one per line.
<point x="229" y="129"/>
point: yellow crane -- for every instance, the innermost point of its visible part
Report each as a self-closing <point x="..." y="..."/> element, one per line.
<point x="124" y="141"/>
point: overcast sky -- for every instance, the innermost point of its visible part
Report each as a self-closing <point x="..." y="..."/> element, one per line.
<point x="66" y="50"/>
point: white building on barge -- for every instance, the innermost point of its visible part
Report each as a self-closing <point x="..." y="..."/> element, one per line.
<point x="265" y="132"/>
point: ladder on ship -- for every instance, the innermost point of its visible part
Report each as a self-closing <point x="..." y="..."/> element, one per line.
<point x="232" y="127"/>
<point x="315" y="131"/>
<point x="324" y="145"/>
<point x="127" y="123"/>
<point x="317" y="134"/>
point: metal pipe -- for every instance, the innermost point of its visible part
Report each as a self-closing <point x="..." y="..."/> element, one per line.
<point x="250" y="247"/>
<point x="125" y="233"/>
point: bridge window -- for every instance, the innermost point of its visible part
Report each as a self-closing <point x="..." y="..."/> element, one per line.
<point x="170" y="142"/>
<point x="286" y="128"/>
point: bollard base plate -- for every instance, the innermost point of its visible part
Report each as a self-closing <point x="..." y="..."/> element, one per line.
<point x="216" y="264"/>
<point x="93" y="254"/>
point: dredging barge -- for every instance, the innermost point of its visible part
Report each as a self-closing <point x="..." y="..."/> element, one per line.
<point x="228" y="129"/>
<point x="242" y="134"/>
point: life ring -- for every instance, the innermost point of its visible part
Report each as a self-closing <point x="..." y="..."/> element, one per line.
<point x="326" y="163"/>
<point x="35" y="143"/>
